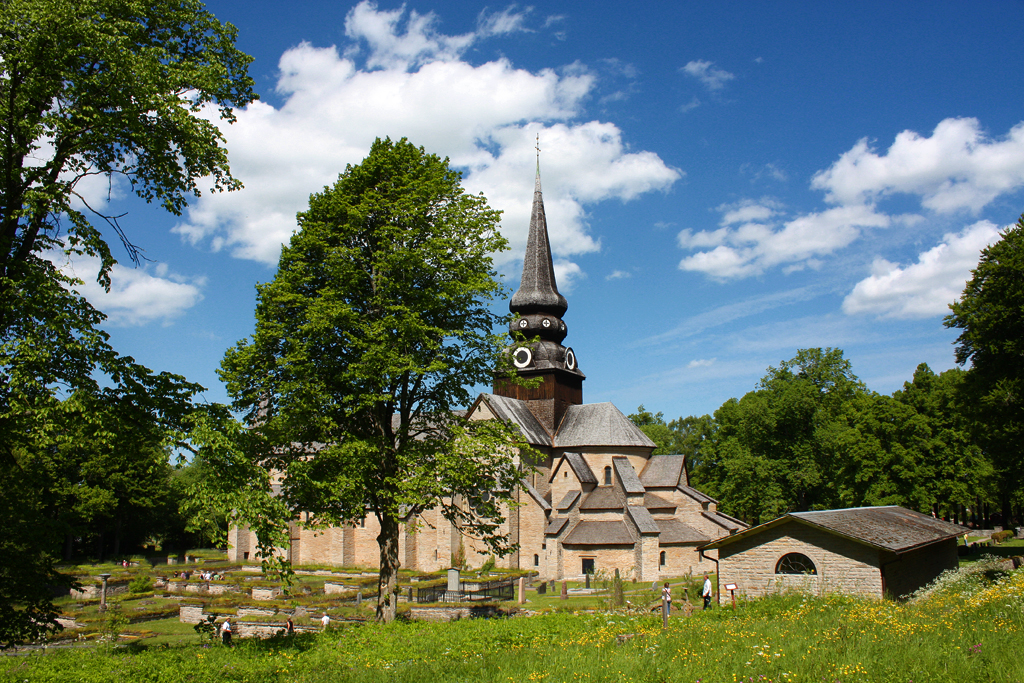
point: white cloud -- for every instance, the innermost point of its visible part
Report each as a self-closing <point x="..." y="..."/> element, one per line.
<point x="701" y="363"/>
<point x="752" y="248"/>
<point x="925" y="288"/>
<point x="707" y="73"/>
<point x="957" y="168"/>
<point x="414" y="84"/>
<point x="567" y="275"/>
<point x="618" y="275"/>
<point x="137" y="296"/>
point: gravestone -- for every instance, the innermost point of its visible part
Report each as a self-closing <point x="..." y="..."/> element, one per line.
<point x="542" y="589"/>
<point x="565" y="590"/>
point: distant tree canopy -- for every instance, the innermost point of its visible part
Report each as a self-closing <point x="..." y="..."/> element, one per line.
<point x="812" y="436"/>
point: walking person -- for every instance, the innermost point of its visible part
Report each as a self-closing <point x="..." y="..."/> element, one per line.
<point x="666" y="604"/>
<point x="707" y="591"/>
<point x="289" y="627"/>
<point x="225" y="632"/>
<point x="325" y="621"/>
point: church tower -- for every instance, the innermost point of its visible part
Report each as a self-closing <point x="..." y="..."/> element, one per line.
<point x="537" y="332"/>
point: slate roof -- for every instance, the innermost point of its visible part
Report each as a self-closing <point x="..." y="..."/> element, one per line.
<point x="601" y="498"/>
<point x="697" y="495"/>
<point x="555" y="526"/>
<point x="599" y="533"/>
<point x="664" y="471"/>
<point x="888" y="527"/>
<point x="515" y="411"/>
<point x="598" y="424"/>
<point x="642" y="518"/>
<point x="535" y="494"/>
<point x="728" y="523"/>
<point x="579" y="466"/>
<point x="674" y="531"/>
<point x="627" y="475"/>
<point x="568" y="500"/>
<point x="653" y="501"/>
<point x="537" y="291"/>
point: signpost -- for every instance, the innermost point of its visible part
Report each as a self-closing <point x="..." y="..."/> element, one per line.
<point x="731" y="587"/>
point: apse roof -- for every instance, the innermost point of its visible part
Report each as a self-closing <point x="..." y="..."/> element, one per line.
<point x="602" y="498"/>
<point x="598" y="424"/>
<point x="675" y="531"/>
<point x="599" y="533"/>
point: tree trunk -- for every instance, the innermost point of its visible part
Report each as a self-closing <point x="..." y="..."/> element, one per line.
<point x="387" y="582"/>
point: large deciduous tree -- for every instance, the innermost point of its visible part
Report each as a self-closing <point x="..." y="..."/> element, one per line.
<point x="990" y="317"/>
<point x="122" y="91"/>
<point x="378" y="321"/>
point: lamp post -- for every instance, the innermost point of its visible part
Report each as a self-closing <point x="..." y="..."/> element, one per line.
<point x="103" y="592"/>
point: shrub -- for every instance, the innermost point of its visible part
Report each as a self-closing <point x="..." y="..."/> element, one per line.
<point x="140" y="584"/>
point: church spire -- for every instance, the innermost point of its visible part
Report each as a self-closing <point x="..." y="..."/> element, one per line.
<point x="537" y="291"/>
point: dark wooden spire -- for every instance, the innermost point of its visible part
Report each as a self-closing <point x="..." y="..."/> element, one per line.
<point x="537" y="291"/>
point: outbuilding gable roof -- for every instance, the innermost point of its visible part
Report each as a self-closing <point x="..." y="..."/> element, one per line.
<point x="664" y="471"/>
<point x="888" y="527"/>
<point x="598" y="424"/>
<point x="599" y="533"/>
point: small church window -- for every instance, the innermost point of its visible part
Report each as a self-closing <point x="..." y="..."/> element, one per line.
<point x="661" y="559"/>
<point x="565" y="474"/>
<point x="607" y="476"/>
<point x="536" y="560"/>
<point x="588" y="565"/>
<point x="795" y="563"/>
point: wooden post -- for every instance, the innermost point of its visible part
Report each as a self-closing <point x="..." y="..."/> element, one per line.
<point x="565" y="590"/>
<point x="522" y="590"/>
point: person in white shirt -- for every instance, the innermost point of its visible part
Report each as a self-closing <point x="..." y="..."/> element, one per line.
<point x="225" y="632"/>
<point x="325" y="621"/>
<point x="707" y="591"/>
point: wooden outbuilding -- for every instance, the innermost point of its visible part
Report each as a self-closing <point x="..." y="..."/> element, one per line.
<point x="875" y="552"/>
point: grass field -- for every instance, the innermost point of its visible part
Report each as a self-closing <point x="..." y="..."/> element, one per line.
<point x="970" y="627"/>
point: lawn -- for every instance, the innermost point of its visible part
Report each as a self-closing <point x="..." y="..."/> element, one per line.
<point x="968" y="628"/>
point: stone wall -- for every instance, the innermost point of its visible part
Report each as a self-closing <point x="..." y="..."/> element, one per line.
<point x="908" y="572"/>
<point x="842" y="565"/>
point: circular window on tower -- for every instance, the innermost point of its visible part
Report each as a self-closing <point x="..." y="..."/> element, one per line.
<point x="522" y="357"/>
<point x="546" y="323"/>
<point x="570" y="359"/>
<point x="523" y="323"/>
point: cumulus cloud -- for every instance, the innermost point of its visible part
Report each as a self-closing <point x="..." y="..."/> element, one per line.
<point x="707" y="73"/>
<point x="957" y="168"/>
<point x="567" y="275"/>
<point x="618" y="275"/>
<point x="401" y="77"/>
<point x="137" y="296"/>
<point x="925" y="288"/>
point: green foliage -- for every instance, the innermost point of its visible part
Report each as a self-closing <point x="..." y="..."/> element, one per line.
<point x="107" y="88"/>
<point x="206" y="629"/>
<point x="115" y="621"/>
<point x="140" y="584"/>
<point x="374" y="329"/>
<point x="967" y="628"/>
<point x="990" y="317"/>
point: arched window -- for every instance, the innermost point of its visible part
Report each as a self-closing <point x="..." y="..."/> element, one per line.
<point x="795" y="563"/>
<point x="536" y="560"/>
<point x="608" y="476"/>
<point x="661" y="559"/>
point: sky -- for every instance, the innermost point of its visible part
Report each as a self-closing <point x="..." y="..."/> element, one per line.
<point x="725" y="183"/>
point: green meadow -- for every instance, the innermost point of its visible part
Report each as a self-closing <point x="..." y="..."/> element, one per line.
<point x="966" y="627"/>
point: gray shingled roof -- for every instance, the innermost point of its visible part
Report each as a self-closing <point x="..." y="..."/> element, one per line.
<point x="568" y="500"/>
<point x="537" y="289"/>
<point x="627" y="475"/>
<point x="580" y="467"/>
<point x="698" y="496"/>
<point x="888" y="527"/>
<point x="599" y="533"/>
<point x="653" y="501"/>
<point x="598" y="424"/>
<point x="555" y="526"/>
<point x="601" y="498"/>
<point x="515" y="411"/>
<point x="674" y="531"/>
<point x="643" y="520"/>
<point x="664" y="471"/>
<point x="535" y="494"/>
<point x="727" y="523"/>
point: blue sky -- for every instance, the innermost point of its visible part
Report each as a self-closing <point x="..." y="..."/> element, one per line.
<point x="725" y="183"/>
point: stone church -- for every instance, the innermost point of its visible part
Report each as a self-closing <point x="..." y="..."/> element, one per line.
<point x="598" y="499"/>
